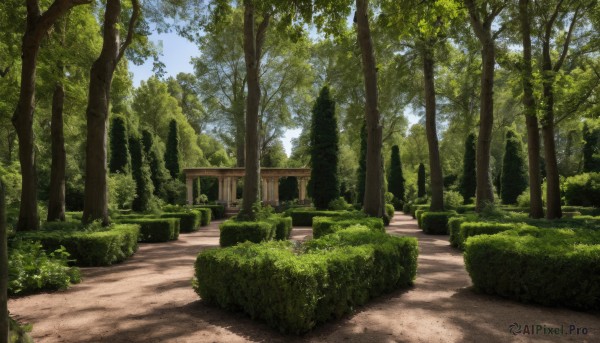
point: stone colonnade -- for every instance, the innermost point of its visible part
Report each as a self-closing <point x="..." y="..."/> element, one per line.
<point x="228" y="178"/>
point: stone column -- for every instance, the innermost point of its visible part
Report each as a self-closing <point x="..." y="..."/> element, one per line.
<point x="276" y="190"/>
<point x="189" y="183"/>
<point x="226" y="190"/>
<point x="233" y="189"/>
<point x="264" y="195"/>
<point x="302" y="189"/>
<point x="221" y="197"/>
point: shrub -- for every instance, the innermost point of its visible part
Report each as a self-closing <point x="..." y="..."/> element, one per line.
<point x="31" y="269"/>
<point x="436" y="223"/>
<point x="218" y="211"/>
<point x="583" y="190"/>
<point x="514" y="169"/>
<point x="554" y="267"/>
<point x="294" y="290"/>
<point x="234" y="232"/>
<point x="465" y="209"/>
<point x="172" y="155"/>
<point x="421" y="181"/>
<point x="189" y="220"/>
<point x="327" y="225"/>
<point x="471" y="229"/>
<point x="389" y="211"/>
<point x="416" y="207"/>
<point x="155" y="230"/>
<point x="303" y="217"/>
<point x="418" y="214"/>
<point x="453" y="199"/>
<point x="283" y="226"/>
<point x="92" y="248"/>
<point x="454" y="224"/>
<point x="468" y="178"/>
<point x="140" y="171"/>
<point x="121" y="191"/>
<point x="406" y="207"/>
<point x="339" y="204"/>
<point x="396" y="177"/>
<point x="206" y="215"/>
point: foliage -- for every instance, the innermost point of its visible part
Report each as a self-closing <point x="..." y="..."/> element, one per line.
<point x="175" y="192"/>
<point x="514" y="177"/>
<point x="172" y="152"/>
<point x="362" y="164"/>
<point x="326" y="280"/>
<point x="551" y="267"/>
<point x="121" y="191"/>
<point x="304" y="217"/>
<point x="324" y="151"/>
<point x="190" y="220"/>
<point x="453" y="199"/>
<point x="339" y="204"/>
<point x="31" y="269"/>
<point x="475" y="228"/>
<point x="421" y="181"/>
<point x="158" y="172"/>
<point x="591" y="146"/>
<point x="233" y="232"/>
<point x="468" y="178"/>
<point x="155" y="230"/>
<point x="582" y="190"/>
<point x="389" y="211"/>
<point x="141" y="174"/>
<point x="119" y="147"/>
<point x="454" y="224"/>
<point x="327" y="225"/>
<point x="436" y="223"/>
<point x="218" y="211"/>
<point x="396" y="177"/>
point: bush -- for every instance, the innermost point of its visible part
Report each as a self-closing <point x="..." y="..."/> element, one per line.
<point x="465" y="209"/>
<point x="418" y="214"/>
<point x="454" y="224"/>
<point x="218" y="211"/>
<point x="91" y="248"/>
<point x="406" y="207"/>
<point x="303" y="217"/>
<point x="583" y="190"/>
<point x="470" y="229"/>
<point x="292" y="290"/>
<point x="283" y="226"/>
<point x="339" y="204"/>
<point x="389" y="211"/>
<point x="554" y="267"/>
<point x="206" y="216"/>
<point x="436" y="223"/>
<point x="155" y="230"/>
<point x="189" y="220"/>
<point x="453" y="199"/>
<point x="327" y="225"/>
<point x="416" y="207"/>
<point x="121" y="191"/>
<point x="234" y="232"/>
<point x="31" y="269"/>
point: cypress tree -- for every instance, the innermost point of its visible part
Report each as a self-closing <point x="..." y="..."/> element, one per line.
<point x="119" y="147"/>
<point x="396" y="177"/>
<point x="514" y="178"/>
<point x="141" y="174"/>
<point x="591" y="145"/>
<point x="468" y="182"/>
<point x="421" y="181"/>
<point x="362" y="165"/>
<point x="324" y="151"/>
<point x="158" y="172"/>
<point x="172" y="151"/>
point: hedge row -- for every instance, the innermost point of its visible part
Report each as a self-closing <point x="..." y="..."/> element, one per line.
<point x="436" y="223"/>
<point x="327" y="225"/>
<point x="99" y="248"/>
<point x="190" y="220"/>
<point x="153" y="230"/>
<point x="470" y="229"/>
<point x="454" y="224"/>
<point x="556" y="267"/>
<point x="293" y="290"/>
<point x="274" y="227"/>
<point x="414" y="208"/>
<point x="389" y="211"/>
<point x="302" y="217"/>
<point x="218" y="211"/>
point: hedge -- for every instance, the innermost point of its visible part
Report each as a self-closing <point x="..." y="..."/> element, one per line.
<point x="190" y="220"/>
<point x="206" y="216"/>
<point x="414" y="208"/>
<point x="274" y="227"/>
<point x="101" y="248"/>
<point x="470" y="229"/>
<point x="327" y="225"/>
<point x="293" y="290"/>
<point x="283" y="226"/>
<point x="153" y="230"/>
<point x="555" y="267"/>
<point x="418" y="214"/>
<point x="465" y="208"/>
<point x="436" y="223"/>
<point x="389" y="210"/>
<point x="218" y="211"/>
<point x="454" y="224"/>
<point x="406" y="207"/>
<point x="305" y="217"/>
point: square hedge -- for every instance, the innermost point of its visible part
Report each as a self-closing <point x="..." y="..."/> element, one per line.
<point x="436" y="223"/>
<point x="189" y="221"/>
<point x="327" y="225"/>
<point x="153" y="230"/>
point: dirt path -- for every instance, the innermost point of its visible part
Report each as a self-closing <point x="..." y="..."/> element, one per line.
<point x="149" y="299"/>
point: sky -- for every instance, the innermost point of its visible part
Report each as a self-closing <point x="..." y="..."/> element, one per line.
<point x="176" y="55"/>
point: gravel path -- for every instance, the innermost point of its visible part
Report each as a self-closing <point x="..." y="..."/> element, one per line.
<point x="149" y="299"/>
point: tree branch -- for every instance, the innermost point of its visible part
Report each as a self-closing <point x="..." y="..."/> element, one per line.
<point x="130" y="29"/>
<point x="565" y="50"/>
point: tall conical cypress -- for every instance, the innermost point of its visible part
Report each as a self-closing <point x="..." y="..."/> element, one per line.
<point x="119" y="147"/>
<point x="396" y="177"/>
<point x="514" y="178"/>
<point x="421" y="192"/>
<point x="591" y="148"/>
<point x="172" y="151"/>
<point x="468" y="182"/>
<point x="362" y="165"/>
<point x="324" y="151"/>
<point x="141" y="174"/>
<point x="158" y="173"/>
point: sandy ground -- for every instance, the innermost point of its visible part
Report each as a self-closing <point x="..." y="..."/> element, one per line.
<point x="149" y="298"/>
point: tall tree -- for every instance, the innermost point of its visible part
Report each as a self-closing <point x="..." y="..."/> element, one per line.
<point x="514" y="176"/>
<point x="156" y="162"/>
<point x="141" y="174"/>
<point x="469" y="173"/>
<point x="38" y="24"/>
<point x="421" y="189"/>
<point x="4" y="327"/>
<point x="120" y="160"/>
<point x="373" y="203"/>
<point x="396" y="177"/>
<point x="95" y="204"/>
<point x="362" y="164"/>
<point x="172" y="152"/>
<point x="324" y="151"/>
<point x="483" y="15"/>
<point x="536" y="207"/>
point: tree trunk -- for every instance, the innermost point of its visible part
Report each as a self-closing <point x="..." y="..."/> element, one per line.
<point x="435" y="166"/>
<point x="485" y="192"/>
<point x="56" y="203"/>
<point x="536" y="209"/>
<point x="253" y="42"/>
<point x="240" y="134"/>
<point x="553" y="210"/>
<point x="373" y="202"/>
<point x="3" y="270"/>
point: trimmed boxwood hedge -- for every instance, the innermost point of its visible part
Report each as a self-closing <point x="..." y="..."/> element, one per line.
<point x="454" y="224"/>
<point x="436" y="223"/>
<point x="470" y="229"/>
<point x="406" y="207"/>
<point x="414" y="208"/>
<point x="327" y="225"/>
<point x="554" y="267"/>
<point x="283" y="226"/>
<point x="153" y="230"/>
<point x="273" y="227"/>
<point x="418" y="214"/>
<point x="389" y="210"/>
<point x="218" y="211"/>
<point x="206" y="216"/>
<point x="293" y="290"/>
<point x="302" y="217"/>
<point x="465" y="209"/>
<point x="190" y="220"/>
<point x="100" y="248"/>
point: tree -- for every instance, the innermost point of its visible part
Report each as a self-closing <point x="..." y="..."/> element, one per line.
<point x="396" y="177"/>
<point x="38" y="24"/>
<point x="469" y="174"/>
<point x="155" y="161"/>
<point x="373" y="203"/>
<point x="172" y="151"/>
<point x="362" y="165"/>
<point x="514" y="175"/>
<point x="421" y="181"/>
<point x="141" y="174"/>
<point x="482" y="17"/>
<point x="324" y="151"/>
<point x="101" y="74"/>
<point x="536" y="209"/>
<point x="120" y="160"/>
<point x="4" y="327"/>
<point x="591" y="147"/>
